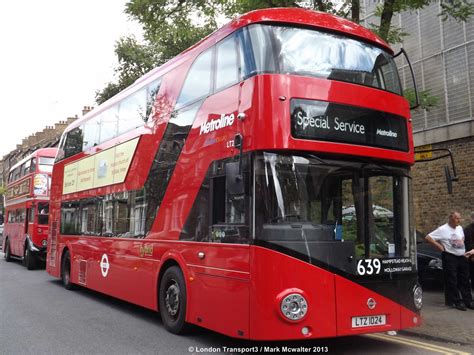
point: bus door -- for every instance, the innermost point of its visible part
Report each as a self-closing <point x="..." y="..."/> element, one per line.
<point x="221" y="263"/>
<point x="18" y="232"/>
<point x="221" y="288"/>
<point x="28" y="226"/>
<point x="30" y="213"/>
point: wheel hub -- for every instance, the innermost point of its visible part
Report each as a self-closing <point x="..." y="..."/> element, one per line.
<point x="172" y="298"/>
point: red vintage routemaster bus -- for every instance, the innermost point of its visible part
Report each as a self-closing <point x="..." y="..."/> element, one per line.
<point x="256" y="185"/>
<point x="27" y="208"/>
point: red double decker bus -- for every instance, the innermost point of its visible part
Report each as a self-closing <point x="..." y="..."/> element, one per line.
<point x="27" y="208"/>
<point x="256" y="185"/>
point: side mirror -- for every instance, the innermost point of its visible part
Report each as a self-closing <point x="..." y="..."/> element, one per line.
<point x="449" y="179"/>
<point x="411" y="94"/>
<point x="234" y="180"/>
<point x="447" y="172"/>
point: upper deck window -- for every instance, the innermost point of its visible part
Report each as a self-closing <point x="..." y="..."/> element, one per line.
<point x="108" y="124"/>
<point x="227" y="72"/>
<point x="46" y="164"/>
<point x="198" y="82"/>
<point x="72" y="144"/>
<point x="131" y="112"/>
<point x="309" y="52"/>
<point x="15" y="174"/>
<point x="25" y="168"/>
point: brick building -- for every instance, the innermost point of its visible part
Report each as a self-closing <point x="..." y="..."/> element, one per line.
<point x="48" y="137"/>
<point x="442" y="55"/>
<point x="432" y="202"/>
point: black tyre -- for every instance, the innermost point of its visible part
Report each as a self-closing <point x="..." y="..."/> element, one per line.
<point x="29" y="259"/>
<point x="8" y="252"/>
<point x="172" y="300"/>
<point x="66" y="271"/>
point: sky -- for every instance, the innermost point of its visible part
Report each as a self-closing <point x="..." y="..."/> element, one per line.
<point x="54" y="56"/>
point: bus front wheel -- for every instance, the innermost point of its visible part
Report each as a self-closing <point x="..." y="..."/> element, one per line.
<point x="172" y="300"/>
<point x="66" y="271"/>
<point x="8" y="252"/>
<point x="28" y="258"/>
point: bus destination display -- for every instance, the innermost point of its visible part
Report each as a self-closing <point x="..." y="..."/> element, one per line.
<point x="319" y="120"/>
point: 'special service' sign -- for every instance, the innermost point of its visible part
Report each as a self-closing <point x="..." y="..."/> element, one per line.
<point x="319" y="120"/>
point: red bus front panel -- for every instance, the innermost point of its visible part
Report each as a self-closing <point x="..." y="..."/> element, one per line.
<point x="274" y="276"/>
<point x="333" y="301"/>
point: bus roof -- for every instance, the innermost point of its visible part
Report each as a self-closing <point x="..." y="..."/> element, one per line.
<point x="284" y="15"/>
<point x="311" y="18"/>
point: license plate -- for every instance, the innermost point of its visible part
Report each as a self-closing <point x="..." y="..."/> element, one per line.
<point x="369" y="321"/>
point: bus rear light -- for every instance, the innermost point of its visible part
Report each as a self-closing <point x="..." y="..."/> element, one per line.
<point x="293" y="307"/>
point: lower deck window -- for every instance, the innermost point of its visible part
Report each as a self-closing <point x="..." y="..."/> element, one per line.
<point x="119" y="215"/>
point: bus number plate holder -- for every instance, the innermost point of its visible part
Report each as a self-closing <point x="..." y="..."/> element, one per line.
<point x="369" y="321"/>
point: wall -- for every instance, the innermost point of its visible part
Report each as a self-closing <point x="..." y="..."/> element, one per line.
<point x="432" y="201"/>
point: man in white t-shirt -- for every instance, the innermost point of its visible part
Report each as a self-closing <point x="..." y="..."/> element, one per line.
<point x="449" y="239"/>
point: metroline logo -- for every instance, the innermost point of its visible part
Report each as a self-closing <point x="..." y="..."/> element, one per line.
<point x="219" y="123"/>
<point x="389" y="133"/>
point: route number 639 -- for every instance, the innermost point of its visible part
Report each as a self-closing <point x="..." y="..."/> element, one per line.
<point x="368" y="266"/>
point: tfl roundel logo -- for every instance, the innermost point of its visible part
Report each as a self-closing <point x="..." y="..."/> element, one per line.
<point x="104" y="265"/>
<point x="371" y="303"/>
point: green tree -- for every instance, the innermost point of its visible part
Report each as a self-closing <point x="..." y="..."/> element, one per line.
<point x="169" y="27"/>
<point x="237" y="7"/>
<point x="135" y="59"/>
<point x="426" y="100"/>
<point x="460" y="10"/>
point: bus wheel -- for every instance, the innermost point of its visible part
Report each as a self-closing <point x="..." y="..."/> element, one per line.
<point x="172" y="300"/>
<point x="66" y="271"/>
<point x="8" y="252"/>
<point x="28" y="259"/>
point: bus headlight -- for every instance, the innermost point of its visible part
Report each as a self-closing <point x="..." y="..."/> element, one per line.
<point x="418" y="296"/>
<point x="294" y="306"/>
<point x="44" y="242"/>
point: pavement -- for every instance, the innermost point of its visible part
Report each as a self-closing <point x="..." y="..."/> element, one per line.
<point x="443" y="323"/>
